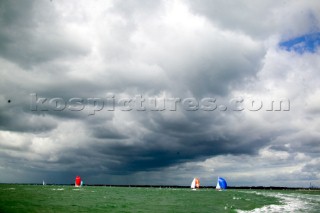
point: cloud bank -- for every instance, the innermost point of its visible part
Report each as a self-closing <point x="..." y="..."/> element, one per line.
<point x="159" y="50"/>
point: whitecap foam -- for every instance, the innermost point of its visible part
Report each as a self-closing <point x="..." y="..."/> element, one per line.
<point x="290" y="203"/>
<point x="10" y="189"/>
<point x="58" y="189"/>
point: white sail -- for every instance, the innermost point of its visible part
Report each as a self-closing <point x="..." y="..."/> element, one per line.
<point x="43" y="183"/>
<point x="218" y="185"/>
<point x="193" y="184"/>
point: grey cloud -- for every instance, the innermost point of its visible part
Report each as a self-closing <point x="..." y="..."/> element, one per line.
<point x="240" y="15"/>
<point x="260" y="19"/>
<point x="155" y="49"/>
<point x="169" y="145"/>
<point x="300" y="141"/>
<point x="24" y="122"/>
<point x="30" y="34"/>
<point x="106" y="130"/>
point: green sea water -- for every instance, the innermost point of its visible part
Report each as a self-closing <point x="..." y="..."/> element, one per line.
<point x="50" y="198"/>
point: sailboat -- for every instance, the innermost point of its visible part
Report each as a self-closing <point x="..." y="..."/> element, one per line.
<point x="43" y="183"/>
<point x="195" y="184"/>
<point x="221" y="184"/>
<point x="77" y="181"/>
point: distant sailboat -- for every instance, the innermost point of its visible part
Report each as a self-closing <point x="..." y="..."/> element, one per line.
<point x="43" y="183"/>
<point x="195" y="184"/>
<point x="77" y="182"/>
<point x="221" y="184"/>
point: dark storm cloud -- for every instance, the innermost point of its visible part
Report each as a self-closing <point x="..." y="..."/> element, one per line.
<point x="167" y="144"/>
<point x="157" y="154"/>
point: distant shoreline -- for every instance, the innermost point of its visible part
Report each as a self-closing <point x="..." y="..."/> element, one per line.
<point x="176" y="186"/>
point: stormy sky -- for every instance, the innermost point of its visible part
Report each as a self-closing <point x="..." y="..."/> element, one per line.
<point x="159" y="92"/>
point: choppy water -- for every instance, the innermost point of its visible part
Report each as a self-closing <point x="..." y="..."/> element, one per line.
<point x="32" y="198"/>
